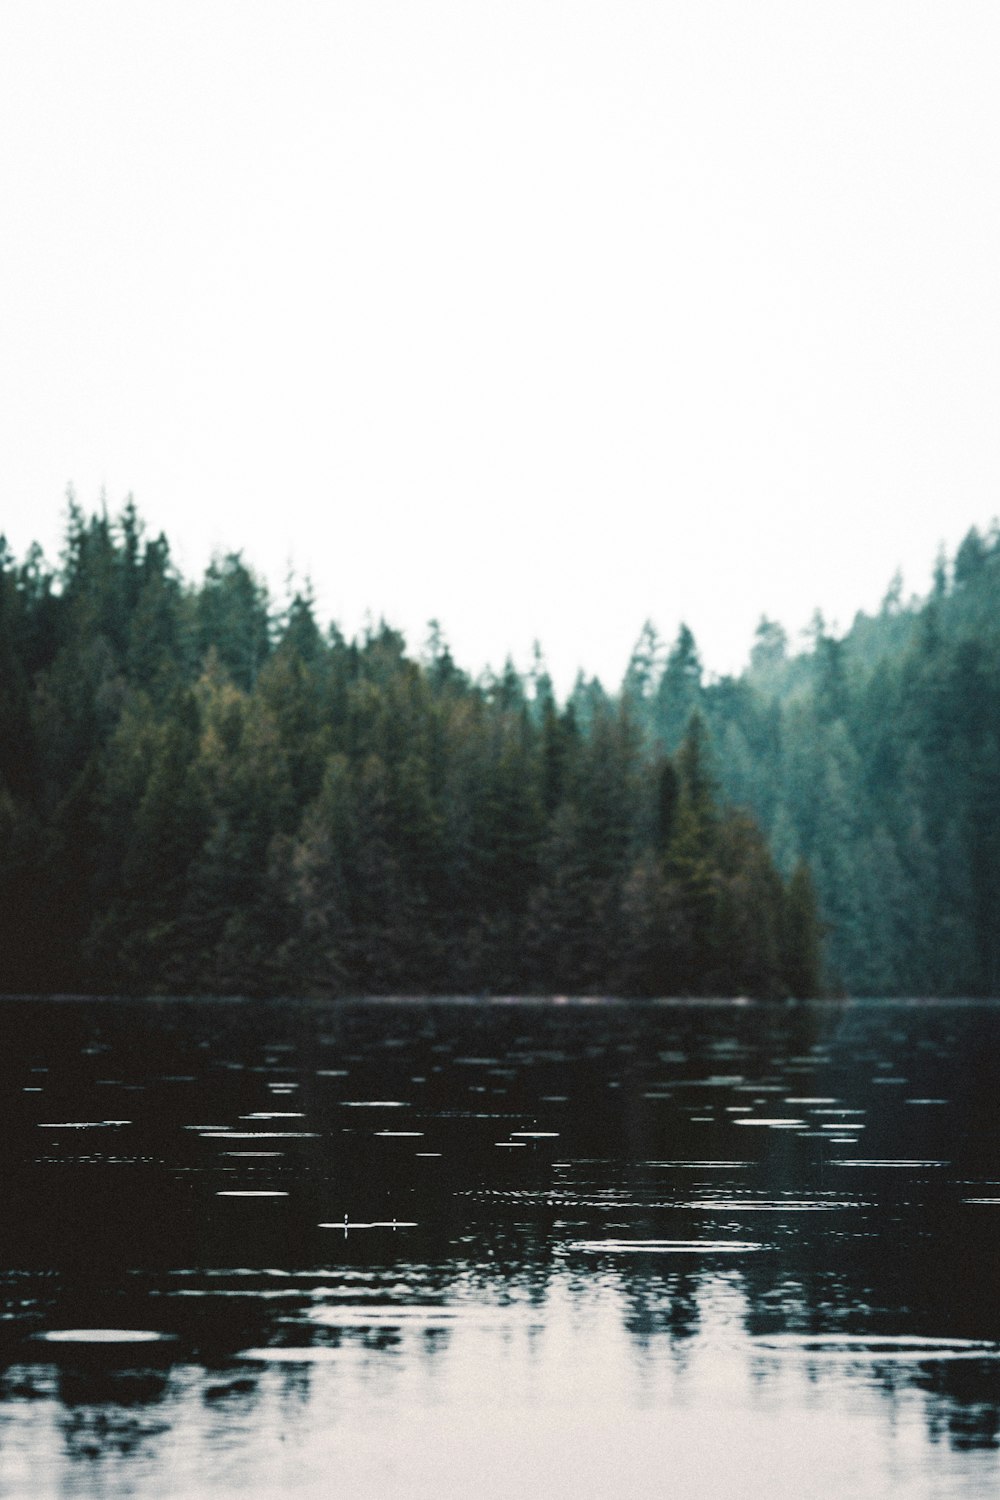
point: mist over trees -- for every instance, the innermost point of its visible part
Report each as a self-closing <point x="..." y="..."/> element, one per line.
<point x="200" y="793"/>
<point x="873" y="756"/>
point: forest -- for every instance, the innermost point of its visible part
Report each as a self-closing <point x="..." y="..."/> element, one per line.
<point x="873" y="756"/>
<point x="201" y="792"/>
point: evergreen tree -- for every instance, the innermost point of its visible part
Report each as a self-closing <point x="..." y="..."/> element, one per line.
<point x="679" y="691"/>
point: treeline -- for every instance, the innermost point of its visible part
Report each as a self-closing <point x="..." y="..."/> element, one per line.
<point x="201" y="794"/>
<point x="875" y="756"/>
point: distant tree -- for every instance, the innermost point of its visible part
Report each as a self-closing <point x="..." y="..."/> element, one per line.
<point x="233" y="619"/>
<point x="680" y="688"/>
<point x="770" y="646"/>
<point x="892" y="601"/>
<point x="645" y="665"/>
<point x="970" y="558"/>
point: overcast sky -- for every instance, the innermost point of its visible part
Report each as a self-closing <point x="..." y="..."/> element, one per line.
<point x="539" y="318"/>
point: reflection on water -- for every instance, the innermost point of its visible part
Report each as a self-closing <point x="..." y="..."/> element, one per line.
<point x="403" y="1249"/>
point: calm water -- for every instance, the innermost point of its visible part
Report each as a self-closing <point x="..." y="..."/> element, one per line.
<point x="590" y="1250"/>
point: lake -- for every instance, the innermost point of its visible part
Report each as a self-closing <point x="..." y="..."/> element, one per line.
<point x="485" y="1249"/>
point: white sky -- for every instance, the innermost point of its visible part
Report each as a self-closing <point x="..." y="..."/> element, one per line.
<point x="540" y="318"/>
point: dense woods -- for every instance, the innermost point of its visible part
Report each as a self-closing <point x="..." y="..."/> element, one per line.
<point x="200" y="793"/>
<point x="874" y="756"/>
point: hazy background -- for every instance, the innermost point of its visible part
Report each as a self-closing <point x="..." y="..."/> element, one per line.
<point x="538" y="318"/>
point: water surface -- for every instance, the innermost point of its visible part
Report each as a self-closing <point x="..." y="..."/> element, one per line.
<point x="454" y="1249"/>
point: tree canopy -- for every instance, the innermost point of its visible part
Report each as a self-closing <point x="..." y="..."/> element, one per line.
<point x="874" y="757"/>
<point x="202" y="793"/>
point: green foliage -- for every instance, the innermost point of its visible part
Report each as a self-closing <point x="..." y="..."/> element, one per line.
<point x="881" y="767"/>
<point x="197" y="794"/>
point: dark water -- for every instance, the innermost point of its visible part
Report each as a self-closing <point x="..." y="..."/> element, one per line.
<point x="692" y="1250"/>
